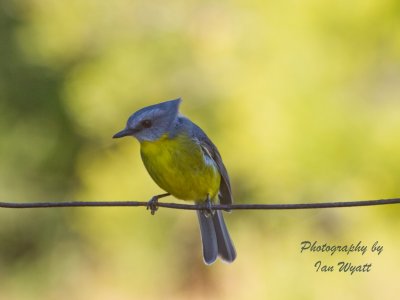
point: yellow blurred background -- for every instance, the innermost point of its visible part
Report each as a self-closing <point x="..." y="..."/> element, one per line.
<point x="301" y="97"/>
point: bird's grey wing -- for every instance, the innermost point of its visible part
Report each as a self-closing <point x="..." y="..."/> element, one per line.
<point x="209" y="149"/>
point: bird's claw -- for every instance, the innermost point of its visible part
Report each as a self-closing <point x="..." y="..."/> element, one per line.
<point x="208" y="207"/>
<point x="152" y="205"/>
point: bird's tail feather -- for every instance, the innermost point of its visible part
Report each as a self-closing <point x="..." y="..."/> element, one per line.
<point x="215" y="237"/>
<point x="208" y="237"/>
<point x="226" y="250"/>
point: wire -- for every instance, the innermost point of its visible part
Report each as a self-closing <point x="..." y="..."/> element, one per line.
<point x="199" y="206"/>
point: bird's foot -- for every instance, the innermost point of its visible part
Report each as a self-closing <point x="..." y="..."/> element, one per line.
<point x="152" y="205"/>
<point x="208" y="207"/>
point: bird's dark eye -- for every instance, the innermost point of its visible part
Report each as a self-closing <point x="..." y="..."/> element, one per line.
<point x="146" y="123"/>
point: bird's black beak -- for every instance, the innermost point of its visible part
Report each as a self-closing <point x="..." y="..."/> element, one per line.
<point x="123" y="133"/>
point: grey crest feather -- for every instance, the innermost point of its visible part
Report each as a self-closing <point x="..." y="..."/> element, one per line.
<point x="162" y="116"/>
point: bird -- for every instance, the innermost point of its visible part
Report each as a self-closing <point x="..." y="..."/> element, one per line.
<point x="184" y="162"/>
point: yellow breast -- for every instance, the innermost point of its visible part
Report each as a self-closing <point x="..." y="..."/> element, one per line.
<point x="179" y="167"/>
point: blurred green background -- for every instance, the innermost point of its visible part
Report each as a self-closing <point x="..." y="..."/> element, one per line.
<point x="301" y="97"/>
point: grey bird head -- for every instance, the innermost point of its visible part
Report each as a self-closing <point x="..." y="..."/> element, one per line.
<point x="151" y="122"/>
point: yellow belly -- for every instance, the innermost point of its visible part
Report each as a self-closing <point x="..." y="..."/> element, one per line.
<point x="179" y="167"/>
